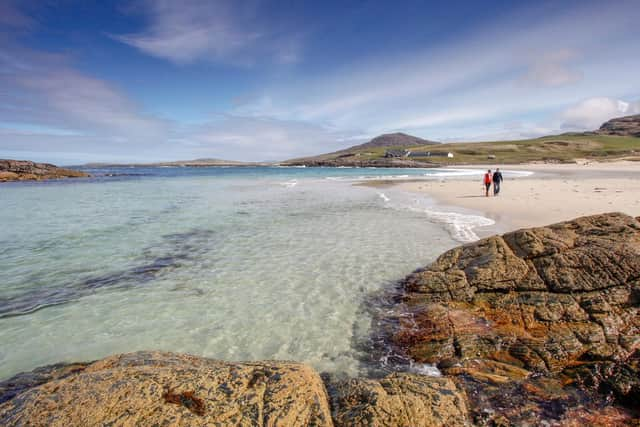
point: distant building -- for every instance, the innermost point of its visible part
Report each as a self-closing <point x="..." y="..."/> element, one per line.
<point x="396" y="153"/>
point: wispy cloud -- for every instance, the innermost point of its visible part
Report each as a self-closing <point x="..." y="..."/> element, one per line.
<point x="13" y="18"/>
<point x="220" y="30"/>
<point x="47" y="106"/>
<point x="262" y="138"/>
<point x="521" y="65"/>
<point x="44" y="93"/>
<point x="553" y="68"/>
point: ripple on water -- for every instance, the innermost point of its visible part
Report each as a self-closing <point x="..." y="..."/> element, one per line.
<point x="286" y="279"/>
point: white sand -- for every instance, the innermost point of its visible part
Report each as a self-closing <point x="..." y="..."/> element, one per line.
<point x="553" y="193"/>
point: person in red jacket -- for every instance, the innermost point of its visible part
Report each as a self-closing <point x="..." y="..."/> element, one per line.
<point x="487" y="182"/>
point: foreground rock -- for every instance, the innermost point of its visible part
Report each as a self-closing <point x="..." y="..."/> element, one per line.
<point x="152" y="388"/>
<point x="561" y="301"/>
<point x="149" y="388"/>
<point x="24" y="170"/>
<point x="399" y="400"/>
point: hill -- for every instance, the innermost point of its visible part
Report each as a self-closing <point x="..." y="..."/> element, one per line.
<point x="624" y="126"/>
<point x="397" y="139"/>
<point x="368" y="154"/>
<point x="617" y="138"/>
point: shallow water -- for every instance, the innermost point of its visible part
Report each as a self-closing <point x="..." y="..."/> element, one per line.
<point x="238" y="263"/>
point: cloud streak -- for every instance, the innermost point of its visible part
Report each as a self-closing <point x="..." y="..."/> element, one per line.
<point x="518" y="66"/>
<point x="221" y="30"/>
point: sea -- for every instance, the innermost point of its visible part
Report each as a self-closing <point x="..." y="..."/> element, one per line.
<point x="238" y="263"/>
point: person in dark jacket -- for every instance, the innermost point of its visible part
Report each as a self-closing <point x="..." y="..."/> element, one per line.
<point x="497" y="179"/>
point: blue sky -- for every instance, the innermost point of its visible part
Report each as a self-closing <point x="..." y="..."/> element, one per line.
<point x="149" y="80"/>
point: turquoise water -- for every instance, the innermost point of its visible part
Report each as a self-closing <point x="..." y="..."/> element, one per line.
<point x="237" y="263"/>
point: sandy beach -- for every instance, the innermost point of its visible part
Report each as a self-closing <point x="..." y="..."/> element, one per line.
<point x="553" y="193"/>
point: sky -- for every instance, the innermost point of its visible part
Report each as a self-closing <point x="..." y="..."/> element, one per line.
<point x="152" y="80"/>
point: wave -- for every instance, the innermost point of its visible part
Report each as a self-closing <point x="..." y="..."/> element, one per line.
<point x="459" y="225"/>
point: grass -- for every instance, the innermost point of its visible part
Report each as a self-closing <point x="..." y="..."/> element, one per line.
<point x="560" y="148"/>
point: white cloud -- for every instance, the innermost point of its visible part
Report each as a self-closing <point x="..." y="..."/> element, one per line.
<point x="220" y="30"/>
<point x="591" y="113"/>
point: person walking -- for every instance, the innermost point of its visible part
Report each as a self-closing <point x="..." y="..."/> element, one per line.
<point x="487" y="182"/>
<point x="497" y="180"/>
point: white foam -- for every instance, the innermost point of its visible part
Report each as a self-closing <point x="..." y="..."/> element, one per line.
<point x="289" y="184"/>
<point x="369" y="177"/>
<point x="459" y="225"/>
<point x="425" y="369"/>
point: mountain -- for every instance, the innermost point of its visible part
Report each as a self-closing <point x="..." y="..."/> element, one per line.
<point x="623" y="126"/>
<point x="397" y="139"/>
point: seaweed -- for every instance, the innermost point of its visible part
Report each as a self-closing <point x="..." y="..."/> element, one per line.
<point x="186" y="399"/>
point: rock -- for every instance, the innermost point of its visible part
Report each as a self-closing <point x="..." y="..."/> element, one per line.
<point x="561" y="301"/>
<point x="625" y="126"/>
<point x="152" y="388"/>
<point x="24" y="170"/>
<point x="398" y="400"/>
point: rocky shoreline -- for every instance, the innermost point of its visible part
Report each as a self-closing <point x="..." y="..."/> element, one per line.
<point x="539" y="326"/>
<point x="25" y="170"/>
<point x="351" y="161"/>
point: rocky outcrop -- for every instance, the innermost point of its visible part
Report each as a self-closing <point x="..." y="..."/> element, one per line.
<point x="152" y="388"/>
<point x="400" y="399"/>
<point x="624" y="126"/>
<point x="561" y="301"/>
<point x="24" y="170"/>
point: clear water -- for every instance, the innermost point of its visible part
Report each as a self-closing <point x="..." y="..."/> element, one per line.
<point x="237" y="263"/>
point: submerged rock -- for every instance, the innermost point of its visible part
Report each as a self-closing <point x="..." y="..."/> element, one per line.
<point x="24" y="170"/>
